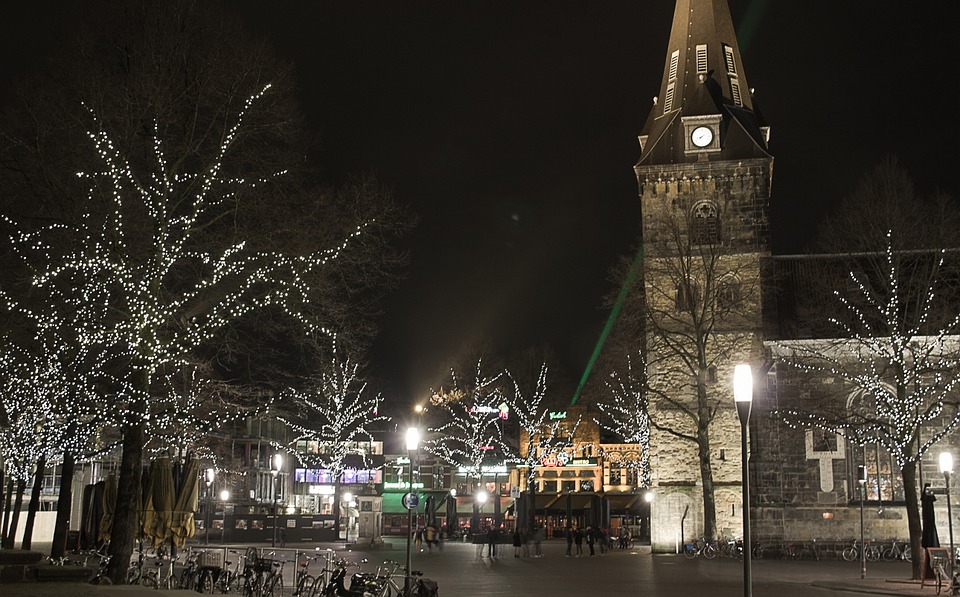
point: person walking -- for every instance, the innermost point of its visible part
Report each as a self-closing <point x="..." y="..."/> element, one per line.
<point x="430" y="536"/>
<point x="419" y="539"/>
<point x="569" y="541"/>
<point x="578" y="539"/>
<point x="492" y="536"/>
<point x="538" y="533"/>
<point x="590" y="539"/>
<point x="517" y="542"/>
<point x="602" y="539"/>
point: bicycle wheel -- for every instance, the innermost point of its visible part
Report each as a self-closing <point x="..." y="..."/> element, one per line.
<point x="710" y="551"/>
<point x="873" y="553"/>
<point x="690" y="551"/>
<point x="133" y="576"/>
<point x="303" y="586"/>
<point x="890" y="554"/>
<point x="849" y="553"/>
<point x="757" y="552"/>
<point x="149" y="579"/>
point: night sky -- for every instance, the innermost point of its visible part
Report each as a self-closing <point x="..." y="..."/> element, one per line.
<point x="510" y="128"/>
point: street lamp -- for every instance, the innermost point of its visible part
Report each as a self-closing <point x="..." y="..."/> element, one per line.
<point x="275" y="468"/>
<point x="946" y="467"/>
<point x="224" y="496"/>
<point x="862" y="480"/>
<point x="743" y="396"/>
<point x="413" y="443"/>
<point x="208" y="478"/>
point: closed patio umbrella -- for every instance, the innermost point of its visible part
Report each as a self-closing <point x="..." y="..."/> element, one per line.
<point x="109" y="505"/>
<point x="183" y="523"/>
<point x="159" y="499"/>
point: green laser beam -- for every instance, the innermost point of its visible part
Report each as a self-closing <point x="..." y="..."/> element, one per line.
<point x="751" y="21"/>
<point x="614" y="313"/>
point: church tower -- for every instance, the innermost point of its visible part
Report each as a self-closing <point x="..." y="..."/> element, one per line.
<point x="704" y="177"/>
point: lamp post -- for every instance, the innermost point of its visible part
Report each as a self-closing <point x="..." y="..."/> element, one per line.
<point x="347" y="498"/>
<point x="208" y="478"/>
<point x="743" y="396"/>
<point x="276" y="466"/>
<point x="862" y="481"/>
<point x="946" y="467"/>
<point x="224" y="496"/>
<point x="413" y="443"/>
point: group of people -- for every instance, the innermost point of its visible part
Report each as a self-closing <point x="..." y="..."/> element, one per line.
<point x="429" y="535"/>
<point x="522" y="538"/>
<point x="576" y="537"/>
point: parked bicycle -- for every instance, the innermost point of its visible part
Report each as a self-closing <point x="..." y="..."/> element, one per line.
<point x="731" y="548"/>
<point x="852" y="552"/>
<point x="898" y="550"/>
<point x="700" y="547"/>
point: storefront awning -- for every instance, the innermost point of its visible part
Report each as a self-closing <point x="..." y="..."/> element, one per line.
<point x="558" y="503"/>
<point x="623" y="503"/>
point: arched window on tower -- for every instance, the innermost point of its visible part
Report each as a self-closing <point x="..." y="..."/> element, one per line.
<point x="704" y="223"/>
<point x="729" y="292"/>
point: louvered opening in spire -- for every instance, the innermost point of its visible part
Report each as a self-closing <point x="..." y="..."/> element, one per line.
<point x="703" y="45"/>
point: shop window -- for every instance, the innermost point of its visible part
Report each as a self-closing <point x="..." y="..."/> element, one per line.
<point x="549" y="487"/>
<point x="568" y="486"/>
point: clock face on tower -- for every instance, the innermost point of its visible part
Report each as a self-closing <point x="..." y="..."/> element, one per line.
<point x="701" y="136"/>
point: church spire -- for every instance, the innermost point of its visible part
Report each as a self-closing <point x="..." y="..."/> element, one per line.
<point x="704" y="87"/>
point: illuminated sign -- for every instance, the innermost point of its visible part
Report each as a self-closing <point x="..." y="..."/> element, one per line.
<point x="503" y="410"/>
<point x="500" y="469"/>
<point x="554" y="415"/>
<point x="320" y="489"/>
<point x="560" y="459"/>
<point x="401" y="485"/>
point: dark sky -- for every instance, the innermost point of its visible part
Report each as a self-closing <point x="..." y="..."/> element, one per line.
<point x="510" y="128"/>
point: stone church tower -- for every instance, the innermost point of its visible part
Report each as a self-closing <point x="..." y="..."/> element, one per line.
<point x="704" y="177"/>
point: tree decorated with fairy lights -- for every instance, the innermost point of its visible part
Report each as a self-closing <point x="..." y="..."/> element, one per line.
<point x="468" y="434"/>
<point x="51" y="407"/>
<point x="541" y="434"/>
<point x="898" y="377"/>
<point x="890" y="353"/>
<point x="334" y="421"/>
<point x="194" y="212"/>
<point x="626" y="415"/>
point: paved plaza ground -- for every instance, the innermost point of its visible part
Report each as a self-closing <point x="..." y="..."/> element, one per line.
<point x="461" y="571"/>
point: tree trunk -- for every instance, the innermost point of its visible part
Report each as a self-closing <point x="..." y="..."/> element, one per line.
<point x="706" y="478"/>
<point x="909" y="475"/>
<point x="532" y="484"/>
<point x="703" y="454"/>
<point x="10" y="539"/>
<point x="336" y="510"/>
<point x="34" y="503"/>
<point x="126" y="517"/>
<point x="7" y="507"/>
<point x="64" y="501"/>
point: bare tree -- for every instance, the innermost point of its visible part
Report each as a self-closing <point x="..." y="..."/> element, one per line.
<point x="701" y="311"/>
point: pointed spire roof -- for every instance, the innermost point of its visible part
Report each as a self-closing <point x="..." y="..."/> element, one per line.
<point x="703" y="75"/>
